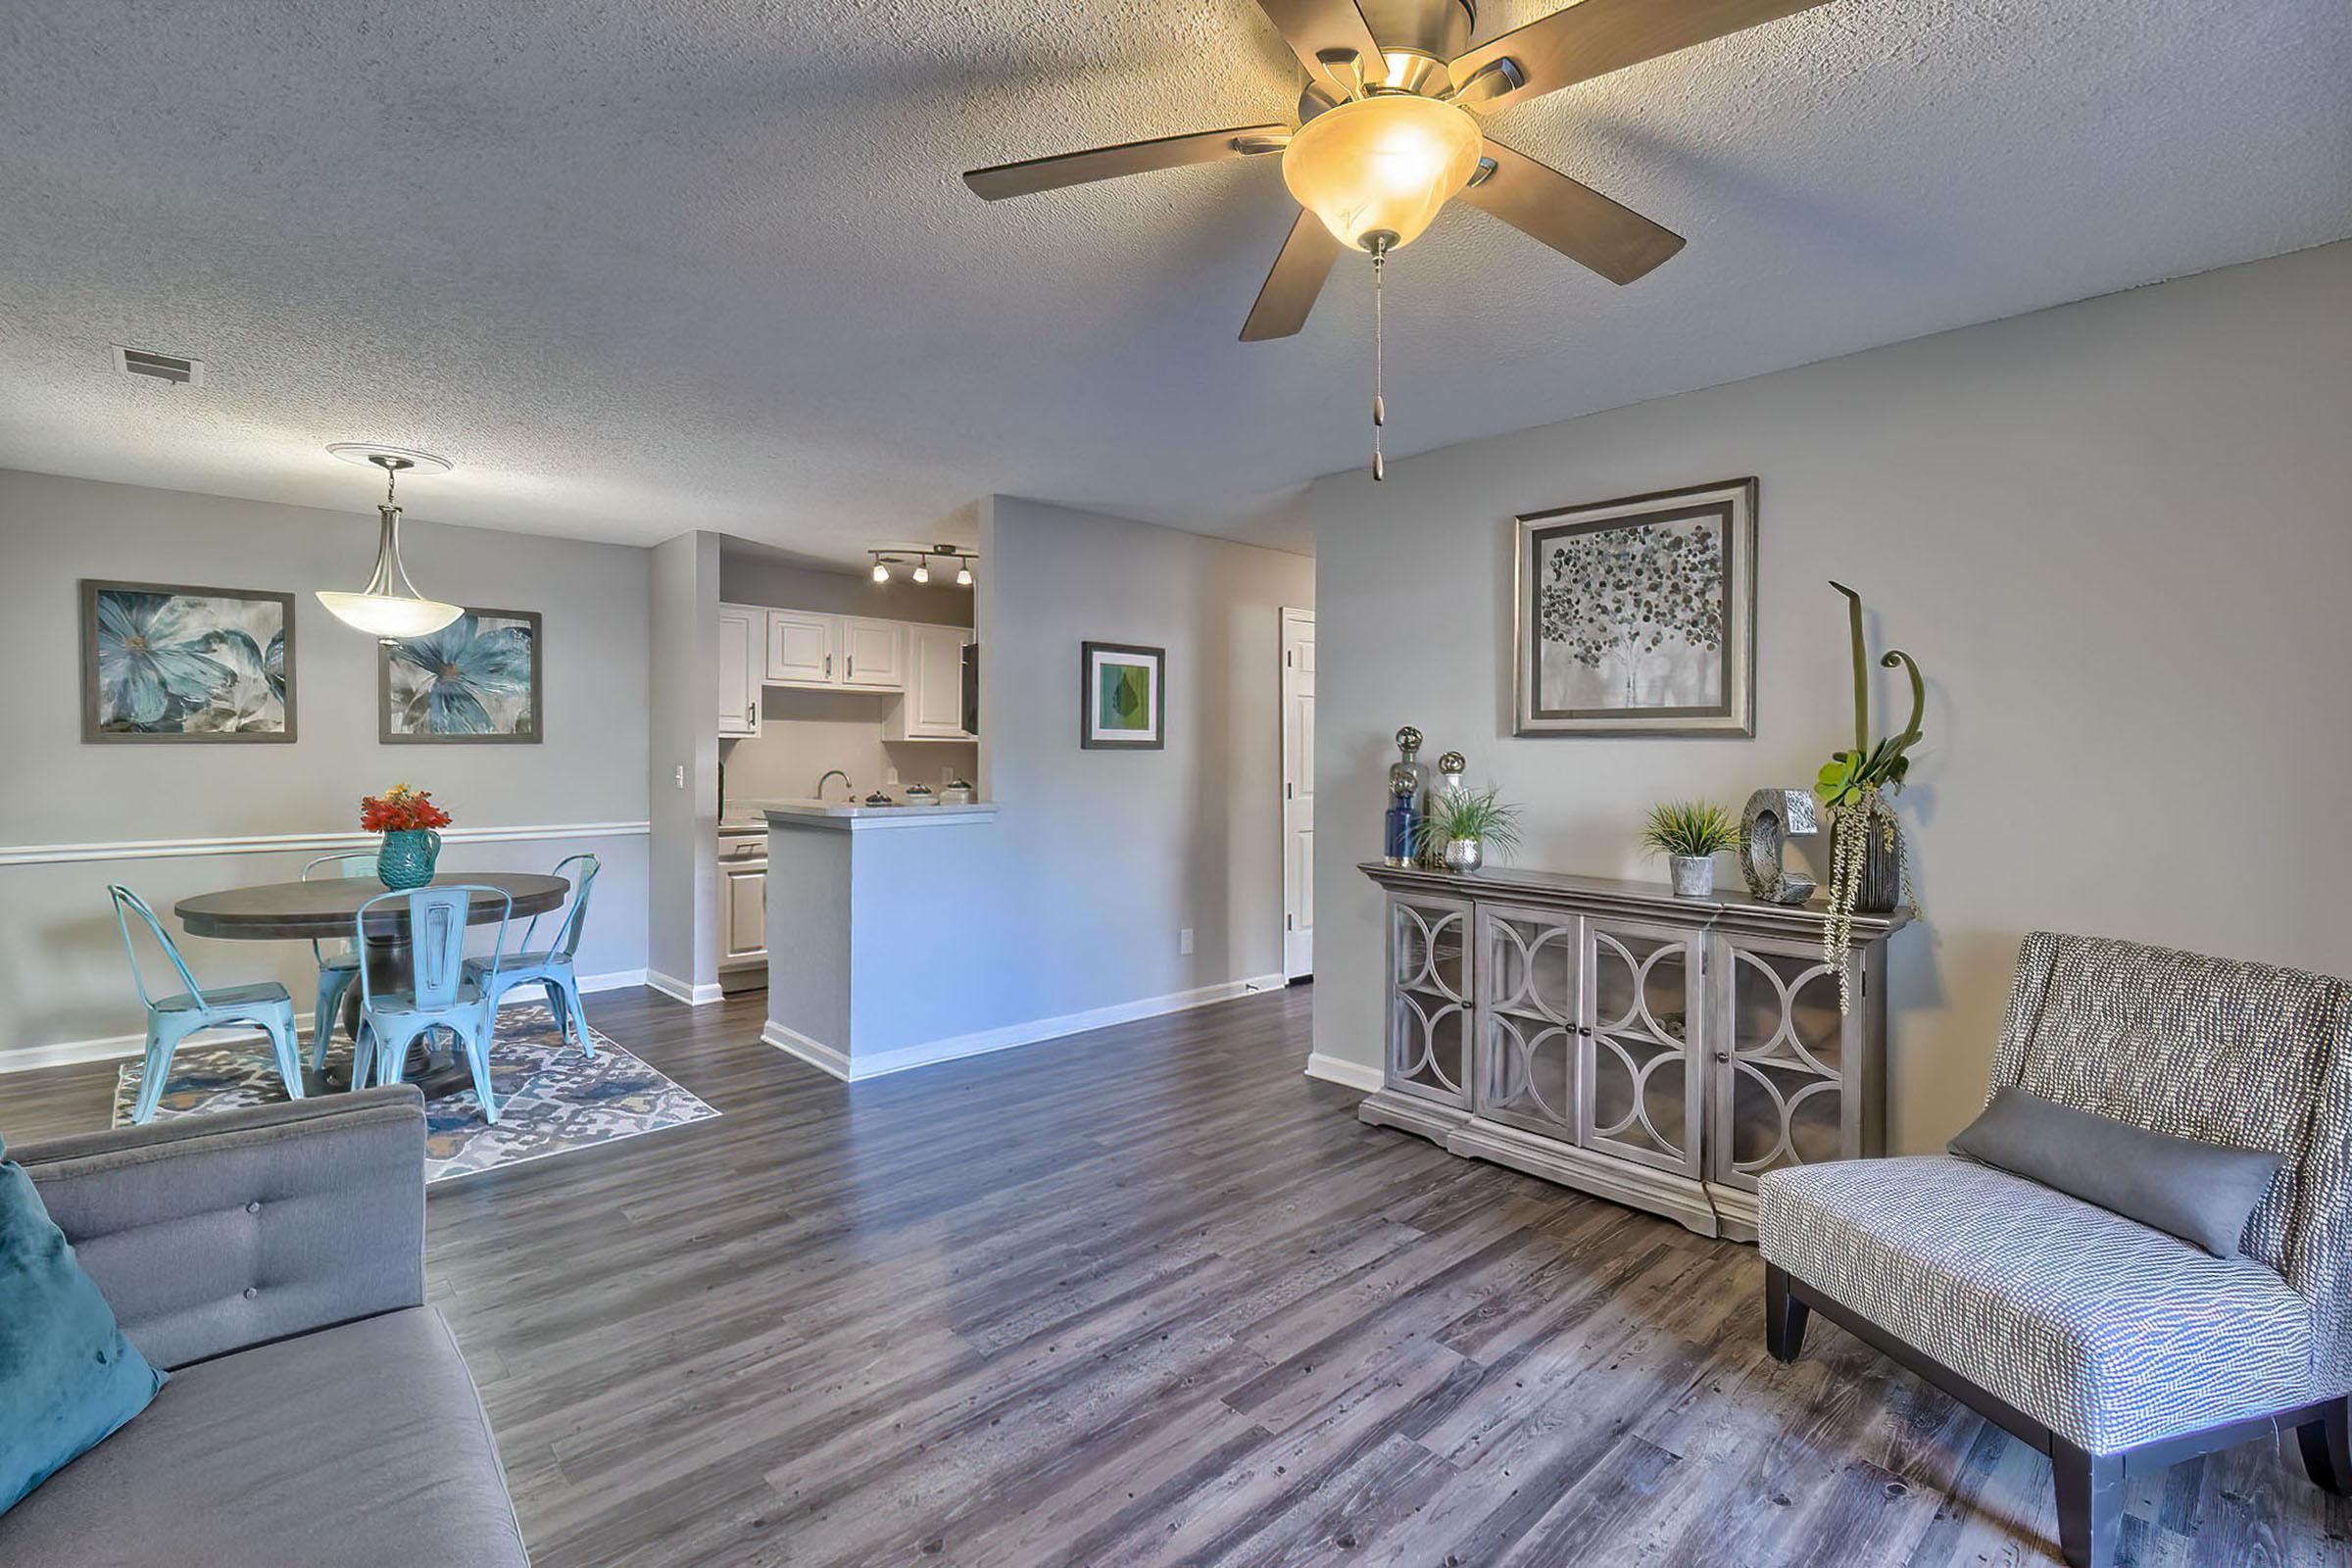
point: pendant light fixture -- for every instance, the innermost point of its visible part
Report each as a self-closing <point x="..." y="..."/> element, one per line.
<point x="389" y="606"/>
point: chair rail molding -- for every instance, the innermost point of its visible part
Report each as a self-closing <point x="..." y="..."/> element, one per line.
<point x="295" y="843"/>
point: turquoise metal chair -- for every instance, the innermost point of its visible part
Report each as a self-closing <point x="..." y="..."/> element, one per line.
<point x="442" y="995"/>
<point x="173" y="1018"/>
<point x="552" y="966"/>
<point x="337" y="969"/>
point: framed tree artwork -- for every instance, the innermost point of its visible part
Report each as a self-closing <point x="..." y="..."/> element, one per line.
<point x="1638" y="617"/>
<point x="162" y="661"/>
<point x="475" y="679"/>
<point x="1122" y="696"/>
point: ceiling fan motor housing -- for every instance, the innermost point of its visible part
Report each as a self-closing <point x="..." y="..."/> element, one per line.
<point x="1418" y="36"/>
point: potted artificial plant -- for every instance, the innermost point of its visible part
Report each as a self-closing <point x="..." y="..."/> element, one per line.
<point x="1869" y="871"/>
<point x="1691" y="834"/>
<point x="1460" y="825"/>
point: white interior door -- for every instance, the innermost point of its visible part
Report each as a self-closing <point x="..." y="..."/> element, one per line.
<point x="1298" y="793"/>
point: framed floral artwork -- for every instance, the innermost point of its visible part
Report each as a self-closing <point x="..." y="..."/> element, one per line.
<point x="475" y="679"/>
<point x="162" y="661"/>
<point x="1638" y="617"/>
<point x="1121" y="697"/>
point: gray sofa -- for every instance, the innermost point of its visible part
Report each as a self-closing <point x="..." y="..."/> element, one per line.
<point x="273" y="1261"/>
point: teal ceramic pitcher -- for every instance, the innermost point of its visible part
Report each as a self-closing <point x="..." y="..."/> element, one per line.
<point x="407" y="856"/>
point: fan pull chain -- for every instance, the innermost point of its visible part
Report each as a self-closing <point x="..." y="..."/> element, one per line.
<point x="1380" y="406"/>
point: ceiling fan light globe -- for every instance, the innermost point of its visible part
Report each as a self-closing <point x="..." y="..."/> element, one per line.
<point x="395" y="617"/>
<point x="1388" y="162"/>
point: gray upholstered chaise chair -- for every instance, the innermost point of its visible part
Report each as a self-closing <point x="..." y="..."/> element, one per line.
<point x="2114" y="1349"/>
<point x="273" y="1261"/>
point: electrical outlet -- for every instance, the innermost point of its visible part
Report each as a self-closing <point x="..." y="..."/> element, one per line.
<point x="1183" y="941"/>
<point x="681" y="775"/>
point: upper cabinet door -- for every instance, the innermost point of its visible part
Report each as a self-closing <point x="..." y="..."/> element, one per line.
<point x="739" y="669"/>
<point x="873" y="655"/>
<point x="934" y="706"/>
<point x="804" y="649"/>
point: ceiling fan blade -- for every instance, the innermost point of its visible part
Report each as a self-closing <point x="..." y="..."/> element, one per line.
<point x="1314" y="28"/>
<point x="1577" y="221"/>
<point x="1127" y="157"/>
<point x="1297" y="278"/>
<point x="1589" y="38"/>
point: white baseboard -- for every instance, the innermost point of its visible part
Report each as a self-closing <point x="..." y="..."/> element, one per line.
<point x="954" y="1048"/>
<point x="1339" y="1071"/>
<point x="66" y="1052"/>
<point x="677" y="990"/>
<point x="823" y="1058"/>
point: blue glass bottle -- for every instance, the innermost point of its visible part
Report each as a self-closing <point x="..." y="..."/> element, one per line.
<point x="1399" y="844"/>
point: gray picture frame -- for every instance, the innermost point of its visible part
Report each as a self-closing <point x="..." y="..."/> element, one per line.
<point x="386" y="735"/>
<point x="1731" y="505"/>
<point x="1130" y="652"/>
<point x="94" y="725"/>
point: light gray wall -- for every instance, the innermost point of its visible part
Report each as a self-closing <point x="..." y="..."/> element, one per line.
<point x="1108" y="854"/>
<point x="2115" y="535"/>
<point x="683" y="611"/>
<point x="748" y="575"/>
<point x="62" y="970"/>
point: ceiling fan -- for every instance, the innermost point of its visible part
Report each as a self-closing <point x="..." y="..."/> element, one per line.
<point x="1388" y="132"/>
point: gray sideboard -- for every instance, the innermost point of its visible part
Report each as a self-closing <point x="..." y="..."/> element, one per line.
<point x="1660" y="1052"/>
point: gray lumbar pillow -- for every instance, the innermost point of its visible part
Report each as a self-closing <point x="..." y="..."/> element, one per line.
<point x="2201" y="1192"/>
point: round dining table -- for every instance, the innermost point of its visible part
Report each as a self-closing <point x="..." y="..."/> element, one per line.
<point x="328" y="909"/>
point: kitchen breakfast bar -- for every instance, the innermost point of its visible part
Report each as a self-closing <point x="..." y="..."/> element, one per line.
<point x="879" y="932"/>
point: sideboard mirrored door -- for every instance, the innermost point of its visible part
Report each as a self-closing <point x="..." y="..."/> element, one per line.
<point x="1644" y="1096"/>
<point x="1788" y="1062"/>
<point x="1429" y="974"/>
<point x="1530" y="1060"/>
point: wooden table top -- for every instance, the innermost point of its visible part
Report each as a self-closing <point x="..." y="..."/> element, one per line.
<point x="326" y="907"/>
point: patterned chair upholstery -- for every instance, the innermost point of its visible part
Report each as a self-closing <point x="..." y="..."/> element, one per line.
<point x="2115" y="1349"/>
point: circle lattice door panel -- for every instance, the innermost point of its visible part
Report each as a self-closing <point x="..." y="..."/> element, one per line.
<point x="1785" y="1100"/>
<point x="1429" y="1007"/>
<point x="1528" y="1047"/>
<point x="1640" y="1094"/>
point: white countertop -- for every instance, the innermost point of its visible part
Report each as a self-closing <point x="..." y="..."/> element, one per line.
<point x="846" y="814"/>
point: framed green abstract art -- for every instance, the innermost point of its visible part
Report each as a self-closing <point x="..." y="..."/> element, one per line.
<point x="1121" y="695"/>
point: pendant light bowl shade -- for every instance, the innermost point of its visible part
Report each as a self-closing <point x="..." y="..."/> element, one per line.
<point x="389" y="606"/>
<point x="1386" y="164"/>
<point x="391" y="616"/>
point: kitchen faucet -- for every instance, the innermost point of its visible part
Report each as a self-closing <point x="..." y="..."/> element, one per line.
<point x="833" y="773"/>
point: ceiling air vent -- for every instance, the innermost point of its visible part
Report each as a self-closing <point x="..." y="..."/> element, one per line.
<point x="162" y="366"/>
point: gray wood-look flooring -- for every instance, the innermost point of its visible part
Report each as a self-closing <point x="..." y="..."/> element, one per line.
<point x="1148" y="1296"/>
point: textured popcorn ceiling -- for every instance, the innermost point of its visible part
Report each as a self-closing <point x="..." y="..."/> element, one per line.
<point x="646" y="266"/>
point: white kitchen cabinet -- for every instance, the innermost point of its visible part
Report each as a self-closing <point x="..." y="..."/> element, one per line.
<point x="873" y="655"/>
<point x="740" y="630"/>
<point x="804" y="649"/>
<point x="933" y="707"/>
<point x="742" y="904"/>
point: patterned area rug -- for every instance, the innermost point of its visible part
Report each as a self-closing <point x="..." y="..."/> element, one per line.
<point x="551" y="1099"/>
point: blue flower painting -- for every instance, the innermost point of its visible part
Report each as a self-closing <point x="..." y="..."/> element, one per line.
<point x="476" y="678"/>
<point x="185" y="663"/>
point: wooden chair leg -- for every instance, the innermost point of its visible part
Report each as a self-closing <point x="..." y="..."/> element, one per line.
<point x="1785" y="1316"/>
<point x="2326" y="1445"/>
<point x="2090" y="1503"/>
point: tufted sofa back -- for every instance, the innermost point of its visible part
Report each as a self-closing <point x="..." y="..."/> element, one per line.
<point x="209" y="1234"/>
<point x="2217" y="1050"/>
